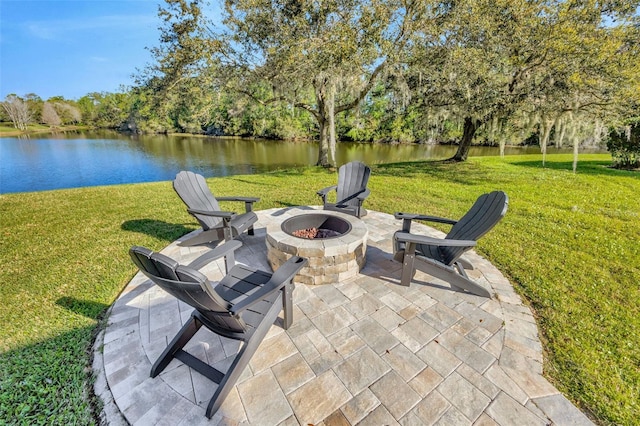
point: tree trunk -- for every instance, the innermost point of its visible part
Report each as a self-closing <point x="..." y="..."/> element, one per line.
<point x="470" y="127"/>
<point x="323" y="145"/>
<point x="331" y="101"/>
<point x="324" y="122"/>
<point x="545" y="132"/>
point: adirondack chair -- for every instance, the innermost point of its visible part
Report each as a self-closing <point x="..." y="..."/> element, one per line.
<point x="216" y="224"/>
<point x="242" y="306"/>
<point x="441" y="258"/>
<point x="351" y="189"/>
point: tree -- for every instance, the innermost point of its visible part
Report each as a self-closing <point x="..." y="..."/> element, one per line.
<point x="35" y="104"/>
<point x="18" y="111"/>
<point x="322" y="58"/>
<point x="493" y="59"/>
<point x="87" y="106"/>
<point x="105" y="110"/>
<point x="69" y="114"/>
<point x="49" y="115"/>
<point x="592" y="74"/>
<point x="624" y="145"/>
<point x="177" y="86"/>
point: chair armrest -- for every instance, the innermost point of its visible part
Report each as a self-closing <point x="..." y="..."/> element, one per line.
<point x="324" y="191"/>
<point x="248" y="201"/>
<point x="279" y="279"/>
<point x="441" y="242"/>
<point x="222" y="250"/>
<point x="243" y="199"/>
<point x="413" y="216"/>
<point x="408" y="217"/>
<point x="364" y="194"/>
<point x="222" y="214"/>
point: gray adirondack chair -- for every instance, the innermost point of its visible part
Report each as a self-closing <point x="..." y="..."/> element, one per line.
<point x="242" y="306"/>
<point x="216" y="224"/>
<point x="351" y="189"/>
<point x="441" y="258"/>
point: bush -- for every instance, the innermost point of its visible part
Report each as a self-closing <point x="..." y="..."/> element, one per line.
<point x="624" y="145"/>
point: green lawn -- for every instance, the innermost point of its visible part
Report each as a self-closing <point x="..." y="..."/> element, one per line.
<point x="569" y="243"/>
<point x="7" y="129"/>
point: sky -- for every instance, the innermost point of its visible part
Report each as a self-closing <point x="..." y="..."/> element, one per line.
<point x="71" y="48"/>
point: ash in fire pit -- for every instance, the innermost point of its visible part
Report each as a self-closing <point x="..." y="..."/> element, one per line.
<point x="316" y="226"/>
<point x="313" y="233"/>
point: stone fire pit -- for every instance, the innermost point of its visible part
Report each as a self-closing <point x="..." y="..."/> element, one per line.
<point x="335" y="254"/>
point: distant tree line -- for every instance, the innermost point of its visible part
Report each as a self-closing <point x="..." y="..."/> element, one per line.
<point x="421" y="71"/>
<point x="103" y="110"/>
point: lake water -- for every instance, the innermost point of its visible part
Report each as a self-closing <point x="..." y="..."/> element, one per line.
<point x="79" y="159"/>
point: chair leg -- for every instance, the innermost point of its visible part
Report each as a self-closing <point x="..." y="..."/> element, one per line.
<point x="229" y="262"/>
<point x="241" y="360"/>
<point x="408" y="270"/>
<point x="287" y="305"/>
<point x="450" y="275"/>
<point x="360" y="211"/>
<point x="465" y="283"/>
<point x="182" y="338"/>
<point x="465" y="264"/>
<point x="408" y="264"/>
<point x="228" y="233"/>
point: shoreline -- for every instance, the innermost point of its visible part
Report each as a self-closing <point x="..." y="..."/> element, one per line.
<point x="16" y="132"/>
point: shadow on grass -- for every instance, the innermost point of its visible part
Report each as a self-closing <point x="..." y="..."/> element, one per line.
<point x="88" y="308"/>
<point x="248" y="182"/>
<point x="156" y="228"/>
<point x="297" y="171"/>
<point x="48" y="382"/>
<point x="583" y="167"/>
<point x="465" y="173"/>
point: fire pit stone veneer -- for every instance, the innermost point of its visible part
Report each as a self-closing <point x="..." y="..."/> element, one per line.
<point x="331" y="260"/>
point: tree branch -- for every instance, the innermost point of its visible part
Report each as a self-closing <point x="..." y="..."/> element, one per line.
<point x="309" y="109"/>
<point x="364" y="90"/>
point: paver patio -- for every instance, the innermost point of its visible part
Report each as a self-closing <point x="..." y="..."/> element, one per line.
<point x="366" y="351"/>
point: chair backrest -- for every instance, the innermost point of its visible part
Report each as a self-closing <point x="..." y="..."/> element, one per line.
<point x="193" y="191"/>
<point x="352" y="179"/>
<point x="485" y="213"/>
<point x="187" y="285"/>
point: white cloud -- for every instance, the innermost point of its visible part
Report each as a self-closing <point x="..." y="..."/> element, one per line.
<point x="41" y="31"/>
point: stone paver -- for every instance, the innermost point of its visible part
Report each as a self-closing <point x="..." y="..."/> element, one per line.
<point x="318" y="398"/>
<point x="362" y="351"/>
<point x="361" y="370"/>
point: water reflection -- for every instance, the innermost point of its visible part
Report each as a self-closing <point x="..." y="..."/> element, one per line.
<point x="220" y="157"/>
<point x="70" y="160"/>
